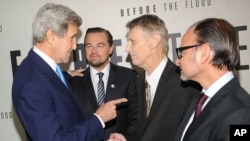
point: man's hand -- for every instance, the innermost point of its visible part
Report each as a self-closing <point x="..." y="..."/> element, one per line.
<point x="77" y="72"/>
<point x="116" y="137"/>
<point x="107" y="111"/>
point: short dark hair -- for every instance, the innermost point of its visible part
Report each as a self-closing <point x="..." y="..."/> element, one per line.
<point x="100" y="30"/>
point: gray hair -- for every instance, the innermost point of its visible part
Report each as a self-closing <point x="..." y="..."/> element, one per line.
<point x="151" y="24"/>
<point x="56" y="17"/>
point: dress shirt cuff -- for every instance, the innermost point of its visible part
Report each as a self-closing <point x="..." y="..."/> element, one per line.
<point x="103" y="124"/>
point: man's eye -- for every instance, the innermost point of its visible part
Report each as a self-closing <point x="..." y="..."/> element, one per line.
<point x="100" y="46"/>
<point x="88" y="46"/>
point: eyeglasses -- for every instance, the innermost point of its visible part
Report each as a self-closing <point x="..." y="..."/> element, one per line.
<point x="180" y="49"/>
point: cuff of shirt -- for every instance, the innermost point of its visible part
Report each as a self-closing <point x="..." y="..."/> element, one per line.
<point x="103" y="124"/>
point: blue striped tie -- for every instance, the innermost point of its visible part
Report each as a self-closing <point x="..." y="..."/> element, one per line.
<point x="100" y="89"/>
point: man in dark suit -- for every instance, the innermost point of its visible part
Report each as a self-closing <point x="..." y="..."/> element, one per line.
<point x="43" y="100"/>
<point x="148" y="45"/>
<point x="119" y="82"/>
<point x="208" y="54"/>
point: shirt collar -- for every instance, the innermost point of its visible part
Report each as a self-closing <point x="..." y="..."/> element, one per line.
<point x="105" y="70"/>
<point x="45" y="57"/>
<point x="154" y="76"/>
<point x="218" y="84"/>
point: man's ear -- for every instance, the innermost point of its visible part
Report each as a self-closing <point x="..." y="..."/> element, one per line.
<point x="111" y="49"/>
<point x="50" y="35"/>
<point x="206" y="53"/>
<point x="155" y="40"/>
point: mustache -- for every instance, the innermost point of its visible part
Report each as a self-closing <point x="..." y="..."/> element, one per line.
<point x="94" y="54"/>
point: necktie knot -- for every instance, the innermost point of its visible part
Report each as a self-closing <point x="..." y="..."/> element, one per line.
<point x="100" y="74"/>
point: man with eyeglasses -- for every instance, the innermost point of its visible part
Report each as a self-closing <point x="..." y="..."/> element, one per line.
<point x="209" y="55"/>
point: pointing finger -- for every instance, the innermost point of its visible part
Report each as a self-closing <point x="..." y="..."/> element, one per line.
<point x="118" y="101"/>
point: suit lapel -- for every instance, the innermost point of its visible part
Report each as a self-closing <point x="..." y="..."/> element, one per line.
<point x="161" y="95"/>
<point x="90" y="92"/>
<point x="54" y="80"/>
<point x="113" y="81"/>
<point x="186" y="119"/>
<point x="141" y="103"/>
<point x="48" y="72"/>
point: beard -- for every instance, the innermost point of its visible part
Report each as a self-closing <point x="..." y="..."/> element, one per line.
<point x="97" y="64"/>
<point x="183" y="77"/>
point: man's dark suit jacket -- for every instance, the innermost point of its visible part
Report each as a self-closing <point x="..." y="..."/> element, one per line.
<point x="171" y="98"/>
<point x="47" y="109"/>
<point x="230" y="105"/>
<point x="121" y="83"/>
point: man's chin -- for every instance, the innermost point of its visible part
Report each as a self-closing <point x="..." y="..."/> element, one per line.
<point x="99" y="64"/>
<point x="136" y="63"/>
<point x="65" y="60"/>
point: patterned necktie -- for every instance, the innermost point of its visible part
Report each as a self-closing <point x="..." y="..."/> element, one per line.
<point x="199" y="105"/>
<point x="100" y="89"/>
<point x="60" y="75"/>
<point x="148" y="98"/>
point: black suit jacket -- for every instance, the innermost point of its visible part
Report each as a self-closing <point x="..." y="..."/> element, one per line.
<point x="171" y="98"/>
<point x="121" y="83"/>
<point x="230" y="105"/>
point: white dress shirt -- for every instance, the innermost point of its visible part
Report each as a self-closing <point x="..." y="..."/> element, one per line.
<point x="155" y="76"/>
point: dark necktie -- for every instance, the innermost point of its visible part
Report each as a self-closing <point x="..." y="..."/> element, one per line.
<point x="148" y="98"/>
<point x="199" y="105"/>
<point x="100" y="89"/>
<point x="60" y="75"/>
<point x="198" y="108"/>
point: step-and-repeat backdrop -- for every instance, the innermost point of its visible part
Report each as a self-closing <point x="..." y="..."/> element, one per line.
<point x="16" y="18"/>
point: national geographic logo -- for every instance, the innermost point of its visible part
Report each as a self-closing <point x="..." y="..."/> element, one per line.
<point x="6" y="115"/>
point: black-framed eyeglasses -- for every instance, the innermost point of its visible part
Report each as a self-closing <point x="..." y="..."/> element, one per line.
<point x="180" y="49"/>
